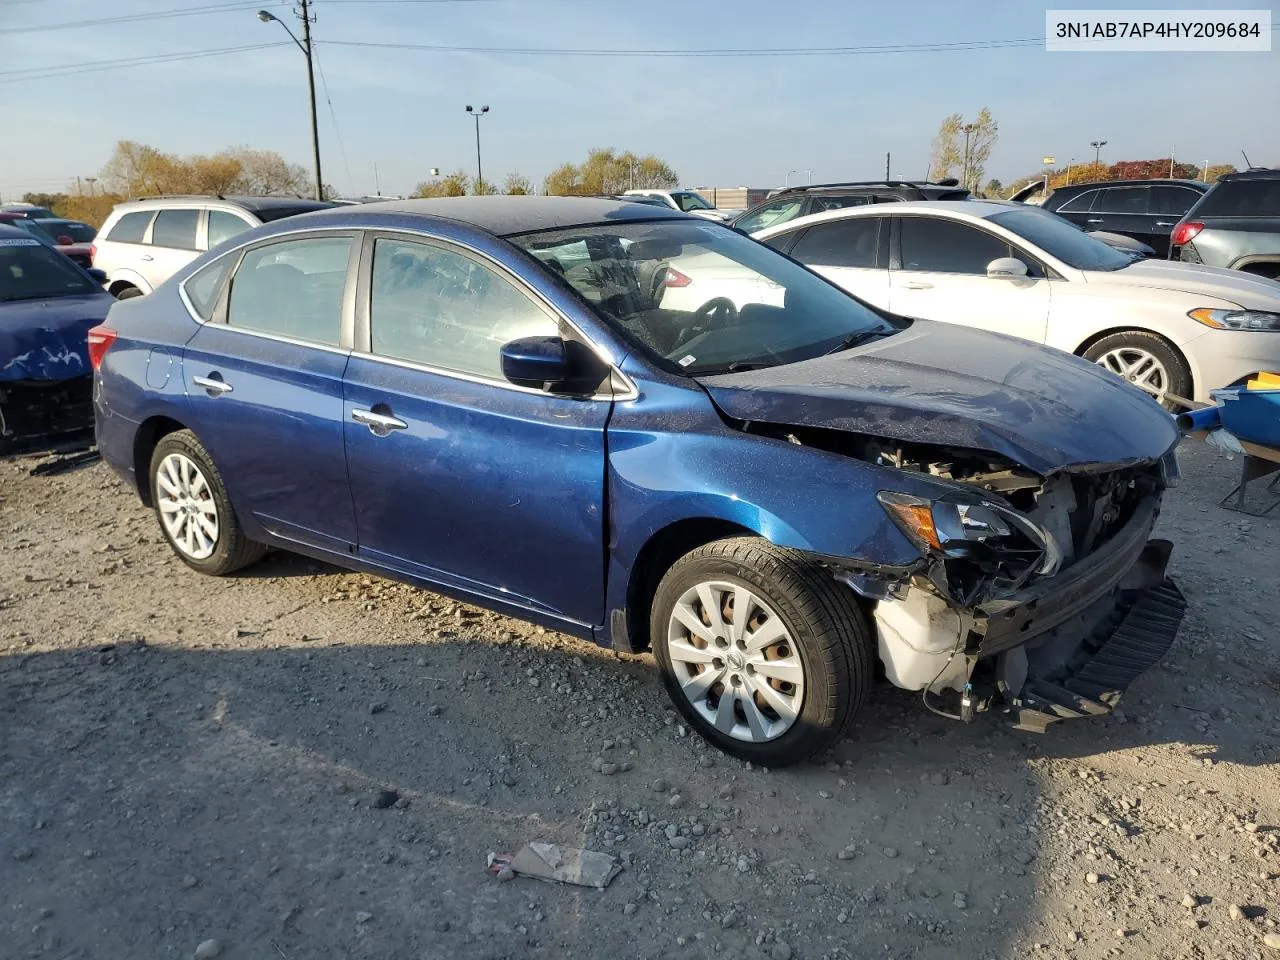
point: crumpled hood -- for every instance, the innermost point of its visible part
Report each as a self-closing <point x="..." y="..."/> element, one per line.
<point x="943" y="384"/>
<point x="47" y="339"/>
<point x="1249" y="290"/>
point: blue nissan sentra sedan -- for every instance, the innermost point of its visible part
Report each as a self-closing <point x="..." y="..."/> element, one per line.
<point x="525" y="403"/>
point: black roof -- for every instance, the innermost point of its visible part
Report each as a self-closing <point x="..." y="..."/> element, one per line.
<point x="948" y="184"/>
<point x="1257" y="174"/>
<point x="1090" y="184"/>
<point x="506" y="215"/>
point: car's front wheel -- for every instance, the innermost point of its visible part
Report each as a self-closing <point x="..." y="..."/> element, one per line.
<point x="1147" y="361"/>
<point x="763" y="653"/>
<point x="194" y="511"/>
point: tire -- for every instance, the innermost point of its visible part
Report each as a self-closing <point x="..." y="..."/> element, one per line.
<point x="215" y="548"/>
<point x="823" y="629"/>
<point x="1112" y="352"/>
<point x="128" y="293"/>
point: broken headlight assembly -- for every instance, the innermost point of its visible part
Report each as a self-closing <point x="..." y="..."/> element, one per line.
<point x="985" y="548"/>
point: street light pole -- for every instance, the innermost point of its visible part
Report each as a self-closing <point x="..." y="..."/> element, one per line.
<point x="786" y="182"/>
<point x="1097" y="151"/>
<point x="305" y="46"/>
<point x="477" y="114"/>
<point x="968" y="129"/>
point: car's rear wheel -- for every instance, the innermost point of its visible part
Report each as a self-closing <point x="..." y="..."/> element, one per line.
<point x="1147" y="361"/>
<point x="762" y="652"/>
<point x="128" y="293"/>
<point x="194" y="511"/>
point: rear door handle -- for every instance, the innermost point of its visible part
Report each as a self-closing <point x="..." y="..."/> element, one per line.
<point x="917" y="285"/>
<point x="1164" y="223"/>
<point x="216" y="386"/>
<point x="379" y="424"/>
<point x="146" y="256"/>
<point x="1094" y="220"/>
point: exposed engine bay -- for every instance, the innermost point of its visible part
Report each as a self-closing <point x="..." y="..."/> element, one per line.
<point x="1019" y="575"/>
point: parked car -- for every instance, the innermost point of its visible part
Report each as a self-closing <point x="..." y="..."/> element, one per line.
<point x="1146" y="210"/>
<point x="78" y="253"/>
<point x="1169" y="328"/>
<point x="793" y="202"/>
<point x="686" y="201"/>
<point x="26" y="210"/>
<point x="143" y="242"/>
<point x="766" y="496"/>
<point x="73" y="238"/>
<point x="1235" y="225"/>
<point x="47" y="305"/>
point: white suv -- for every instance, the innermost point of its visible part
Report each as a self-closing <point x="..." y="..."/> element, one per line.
<point x="144" y="242"/>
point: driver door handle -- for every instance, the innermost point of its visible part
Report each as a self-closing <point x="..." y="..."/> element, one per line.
<point x="917" y="285"/>
<point x="215" y="386"/>
<point x="378" y="423"/>
<point x="146" y="256"/>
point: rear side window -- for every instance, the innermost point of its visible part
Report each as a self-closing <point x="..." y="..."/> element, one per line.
<point x="1242" y="198"/>
<point x="292" y="289"/>
<point x="844" y="243"/>
<point x="1123" y="200"/>
<point x="203" y="287"/>
<point x="175" y="229"/>
<point x="1080" y="204"/>
<point x="130" y="228"/>
<point x="839" y="203"/>
<point x="1172" y="201"/>
<point x="223" y="226"/>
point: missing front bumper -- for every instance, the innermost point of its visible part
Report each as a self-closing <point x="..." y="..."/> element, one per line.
<point x="35" y="413"/>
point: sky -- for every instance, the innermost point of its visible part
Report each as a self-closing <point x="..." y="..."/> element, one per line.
<point x="719" y="121"/>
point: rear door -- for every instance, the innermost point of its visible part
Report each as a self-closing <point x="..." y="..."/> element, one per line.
<point x="1169" y="204"/>
<point x="851" y="253"/>
<point x="1124" y="210"/>
<point x="459" y="476"/>
<point x="1079" y="209"/>
<point x="171" y="244"/>
<point x="264" y="382"/>
<point x="939" y="272"/>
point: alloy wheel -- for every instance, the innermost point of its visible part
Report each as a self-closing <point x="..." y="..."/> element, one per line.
<point x="1140" y="368"/>
<point x="736" y="661"/>
<point x="187" y="507"/>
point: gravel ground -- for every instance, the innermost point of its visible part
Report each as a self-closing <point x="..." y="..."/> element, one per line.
<point x="300" y="762"/>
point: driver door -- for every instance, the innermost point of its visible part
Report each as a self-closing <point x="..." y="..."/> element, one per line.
<point x="940" y="273"/>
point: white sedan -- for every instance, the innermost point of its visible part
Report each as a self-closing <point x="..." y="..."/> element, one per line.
<point x="1166" y="326"/>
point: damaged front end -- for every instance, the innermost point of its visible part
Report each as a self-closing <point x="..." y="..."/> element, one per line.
<point x="37" y="414"/>
<point x="1044" y="598"/>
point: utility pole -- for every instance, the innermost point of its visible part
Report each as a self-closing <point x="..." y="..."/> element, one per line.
<point x="377" y="187"/>
<point x="79" y="191"/>
<point x="1171" y="153"/>
<point x="91" y="181"/>
<point x="304" y="13"/>
<point x="477" y="114"/>
<point x="886" y="167"/>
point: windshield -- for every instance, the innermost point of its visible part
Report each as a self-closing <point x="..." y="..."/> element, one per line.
<point x="701" y="298"/>
<point x="690" y="201"/>
<point x="29" y="270"/>
<point x="1060" y="239"/>
<point x="78" y="232"/>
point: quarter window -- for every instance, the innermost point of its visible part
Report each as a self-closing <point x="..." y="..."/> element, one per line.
<point x="292" y="289"/>
<point x="842" y="243"/>
<point x="433" y="306"/>
<point x="130" y="228"/>
<point x="767" y="216"/>
<point x="1080" y="204"/>
<point x="204" y="286"/>
<point x="175" y="229"/>
<point x="224" y="226"/>
<point x="935" y="245"/>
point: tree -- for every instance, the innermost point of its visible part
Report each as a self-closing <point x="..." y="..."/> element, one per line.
<point x="981" y="139"/>
<point x="605" y="172"/>
<point x="1216" y="170"/>
<point x="994" y="188"/>
<point x="517" y="185"/>
<point x="482" y="188"/>
<point x="1152" y="169"/>
<point x="453" y="185"/>
<point x="266" y="173"/>
<point x="563" y="181"/>
<point x="946" y="153"/>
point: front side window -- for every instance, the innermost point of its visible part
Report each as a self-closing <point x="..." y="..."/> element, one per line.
<point x="292" y="289"/>
<point x="935" y="245"/>
<point x="223" y="226"/>
<point x="431" y="305"/>
<point x="175" y="229"/>
<point x="30" y="270"/>
<point x="1062" y="240"/>
<point x="841" y="243"/>
<point x="779" y="211"/>
<point x="690" y="201"/>
<point x="700" y="299"/>
<point x="1123" y="200"/>
<point x="130" y="228"/>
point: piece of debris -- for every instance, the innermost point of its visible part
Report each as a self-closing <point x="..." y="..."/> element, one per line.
<point x="548" y="861"/>
<point x="208" y="950"/>
<point x="363" y="916"/>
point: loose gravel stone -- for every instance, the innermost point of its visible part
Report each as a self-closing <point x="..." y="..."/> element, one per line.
<point x="1272" y="941"/>
<point x="189" y="881"/>
<point x="679" y="843"/>
<point x="890" y="852"/>
<point x="629" y="909"/>
<point x="1091" y="878"/>
<point x="1234" y="912"/>
<point x="781" y="951"/>
<point x="659" y="786"/>
<point x="1189" y="901"/>
<point x="208" y="949"/>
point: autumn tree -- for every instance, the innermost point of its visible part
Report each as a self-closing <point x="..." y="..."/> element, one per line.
<point x="1216" y="170"/>
<point x="517" y="185"/>
<point x="945" y="155"/>
<point x="962" y="149"/>
<point x="138" y="169"/>
<point x="605" y="171"/>
<point x="994" y="188"/>
<point x="482" y="188"/>
<point x="453" y="185"/>
<point x="266" y="173"/>
<point x="1152" y="169"/>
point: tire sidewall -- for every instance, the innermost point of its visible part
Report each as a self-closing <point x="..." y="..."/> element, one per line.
<point x="181" y="442"/>
<point x="810" y="726"/>
<point x="1175" y="366"/>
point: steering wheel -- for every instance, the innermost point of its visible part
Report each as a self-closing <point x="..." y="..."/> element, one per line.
<point x="716" y="312"/>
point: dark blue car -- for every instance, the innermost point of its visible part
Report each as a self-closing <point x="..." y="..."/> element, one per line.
<point x="650" y="431"/>
<point x="47" y="306"/>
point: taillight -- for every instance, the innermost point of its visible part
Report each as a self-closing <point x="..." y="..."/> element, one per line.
<point x="1186" y="232"/>
<point x="674" y="278"/>
<point x="100" y="340"/>
<point x="93" y="253"/>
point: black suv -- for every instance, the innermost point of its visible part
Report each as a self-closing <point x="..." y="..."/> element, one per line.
<point x="795" y="202"/>
<point x="1146" y="210"/>
<point x="1235" y="225"/>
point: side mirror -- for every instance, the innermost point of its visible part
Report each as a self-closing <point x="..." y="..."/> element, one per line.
<point x="536" y="361"/>
<point x="1006" y="268"/>
<point x="65" y="241"/>
<point x="99" y="275"/>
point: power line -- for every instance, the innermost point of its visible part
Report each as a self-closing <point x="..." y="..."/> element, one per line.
<point x="136" y="17"/>
<point x="45" y="73"/>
